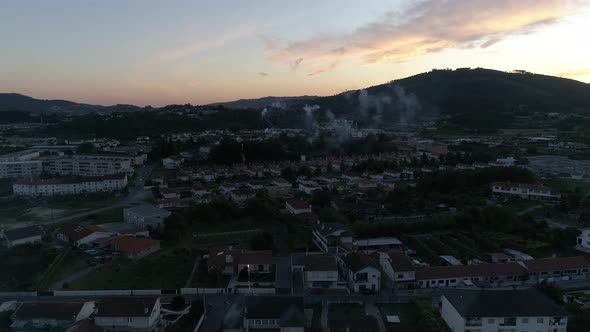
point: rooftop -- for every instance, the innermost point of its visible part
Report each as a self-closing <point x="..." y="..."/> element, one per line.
<point x="51" y="309"/>
<point x="126" y="306"/>
<point x="503" y="303"/>
<point x="320" y="263"/>
<point x="23" y="232"/>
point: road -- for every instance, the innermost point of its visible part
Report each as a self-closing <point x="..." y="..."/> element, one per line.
<point x="135" y="195"/>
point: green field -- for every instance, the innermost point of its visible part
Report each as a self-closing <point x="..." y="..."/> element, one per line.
<point x="407" y="312"/>
<point x="346" y="311"/>
<point x="15" y="209"/>
<point x="168" y="269"/>
<point x="22" y="266"/>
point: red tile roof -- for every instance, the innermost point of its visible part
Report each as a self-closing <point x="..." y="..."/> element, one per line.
<point x="133" y="245"/>
<point x="462" y="271"/>
<point x="75" y="232"/>
<point x="555" y="264"/>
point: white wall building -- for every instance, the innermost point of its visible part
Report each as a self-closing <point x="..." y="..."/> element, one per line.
<point x="525" y="190"/>
<point x="501" y="311"/>
<point x="362" y="272"/>
<point x="89" y="165"/>
<point x="145" y="215"/>
<point x="69" y="186"/>
<point x="21" y="169"/>
<point x="128" y="313"/>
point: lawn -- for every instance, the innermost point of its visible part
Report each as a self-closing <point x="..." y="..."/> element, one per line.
<point x="76" y="260"/>
<point x="22" y="266"/>
<point x="407" y="313"/>
<point x="346" y="311"/>
<point x="168" y="269"/>
<point x="17" y="209"/>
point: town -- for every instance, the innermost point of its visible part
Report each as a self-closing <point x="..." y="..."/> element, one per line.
<point x="221" y="230"/>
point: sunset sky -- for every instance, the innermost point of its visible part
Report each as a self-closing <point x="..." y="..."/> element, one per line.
<point x="159" y="52"/>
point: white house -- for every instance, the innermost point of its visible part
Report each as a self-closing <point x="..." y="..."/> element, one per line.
<point x="173" y="162"/>
<point x="80" y="234"/>
<point x="128" y="313"/>
<point x="583" y="240"/>
<point x="321" y="271"/>
<point x="362" y="272"/>
<point x="308" y="186"/>
<point x="332" y="237"/>
<point x="49" y="315"/>
<point x="384" y="243"/>
<point x="145" y="215"/>
<point x="297" y="206"/>
<point x="501" y="310"/>
<point x="398" y="268"/>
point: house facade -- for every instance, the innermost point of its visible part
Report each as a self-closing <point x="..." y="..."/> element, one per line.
<point x="69" y="186"/>
<point x="126" y="313"/>
<point x="321" y="272"/>
<point x="501" y="310"/>
<point x="362" y="272"/>
<point x="332" y="238"/>
<point x="297" y="206"/>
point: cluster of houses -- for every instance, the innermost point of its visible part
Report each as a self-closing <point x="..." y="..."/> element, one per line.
<point x="120" y="313"/>
<point x="130" y="238"/>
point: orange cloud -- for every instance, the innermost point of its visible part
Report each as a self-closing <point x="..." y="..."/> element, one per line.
<point x="426" y="27"/>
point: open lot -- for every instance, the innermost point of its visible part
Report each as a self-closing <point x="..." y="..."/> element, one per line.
<point x="168" y="269"/>
<point x="407" y="312"/>
<point x="16" y="210"/>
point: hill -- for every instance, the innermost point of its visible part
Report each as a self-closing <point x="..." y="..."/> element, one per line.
<point x="18" y="102"/>
<point x="279" y="102"/>
<point x="476" y="97"/>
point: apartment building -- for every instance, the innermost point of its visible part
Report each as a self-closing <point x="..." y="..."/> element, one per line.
<point x="88" y="165"/>
<point x="20" y="169"/>
<point x="69" y="186"/>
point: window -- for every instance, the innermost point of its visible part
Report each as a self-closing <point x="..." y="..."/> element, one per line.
<point x="540" y="320"/>
<point x="525" y="320"/>
<point x="491" y="321"/>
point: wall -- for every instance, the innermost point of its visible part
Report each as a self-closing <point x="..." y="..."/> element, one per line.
<point x="451" y="316"/>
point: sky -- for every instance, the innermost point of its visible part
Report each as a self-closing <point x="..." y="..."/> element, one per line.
<point x="152" y="52"/>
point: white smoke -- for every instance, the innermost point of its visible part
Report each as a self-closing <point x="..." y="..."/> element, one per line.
<point x="311" y="124"/>
<point x="394" y="105"/>
<point x="279" y="105"/>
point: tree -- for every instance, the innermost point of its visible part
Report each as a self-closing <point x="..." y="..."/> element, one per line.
<point x="551" y="290"/>
<point x="85" y="148"/>
<point x="262" y="241"/>
<point x="178" y="302"/>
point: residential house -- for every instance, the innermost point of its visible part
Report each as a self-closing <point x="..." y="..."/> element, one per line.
<point x="128" y="313"/>
<point x="321" y="271"/>
<point x="297" y="206"/>
<point x="500" y="257"/>
<point x="367" y="184"/>
<point x="173" y="162"/>
<point x="49" y="315"/>
<point x="79" y="234"/>
<point x="233" y="261"/>
<point x="362" y="272"/>
<point x="241" y="195"/>
<point x="22" y="235"/>
<point x="398" y="268"/>
<point x="281" y="183"/>
<point x="276" y="313"/>
<point x="145" y="216"/>
<point x="377" y="244"/>
<point x="134" y="247"/>
<point x="576" y="267"/>
<point x="332" y="238"/>
<point x="525" y="191"/>
<point x="308" y="186"/>
<point x="501" y="310"/>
